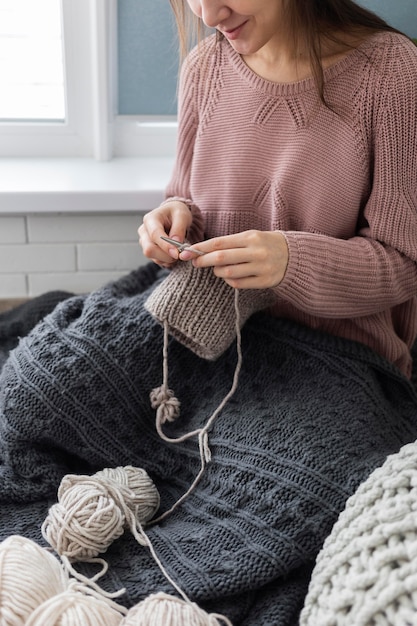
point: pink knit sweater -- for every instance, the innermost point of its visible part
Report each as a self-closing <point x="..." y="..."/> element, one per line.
<point x="340" y="184"/>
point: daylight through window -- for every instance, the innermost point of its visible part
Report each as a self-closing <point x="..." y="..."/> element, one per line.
<point x="31" y="61"/>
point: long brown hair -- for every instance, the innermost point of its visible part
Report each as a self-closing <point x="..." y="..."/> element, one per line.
<point x="310" y="21"/>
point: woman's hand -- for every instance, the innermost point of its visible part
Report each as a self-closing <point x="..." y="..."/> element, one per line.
<point x="171" y="219"/>
<point x="250" y="260"/>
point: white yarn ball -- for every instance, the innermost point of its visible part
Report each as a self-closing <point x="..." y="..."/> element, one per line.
<point x="93" y="511"/>
<point x="162" y="609"/>
<point x="29" y="575"/>
<point x="72" y="608"/>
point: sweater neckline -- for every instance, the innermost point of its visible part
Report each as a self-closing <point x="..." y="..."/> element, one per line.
<point x="306" y="84"/>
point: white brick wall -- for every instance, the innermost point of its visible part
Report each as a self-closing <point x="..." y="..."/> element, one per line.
<point x="77" y="253"/>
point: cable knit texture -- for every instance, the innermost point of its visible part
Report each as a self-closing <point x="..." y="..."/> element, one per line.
<point x="200" y="308"/>
<point x="340" y="182"/>
<point x="366" y="573"/>
<point x="18" y="321"/>
<point x="312" y="417"/>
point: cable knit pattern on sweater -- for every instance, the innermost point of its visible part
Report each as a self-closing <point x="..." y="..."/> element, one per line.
<point x="340" y="182"/>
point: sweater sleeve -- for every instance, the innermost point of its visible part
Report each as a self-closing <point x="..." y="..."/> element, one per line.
<point x="178" y="187"/>
<point x="377" y="268"/>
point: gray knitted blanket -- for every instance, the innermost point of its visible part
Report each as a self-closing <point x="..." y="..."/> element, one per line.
<point x="313" y="415"/>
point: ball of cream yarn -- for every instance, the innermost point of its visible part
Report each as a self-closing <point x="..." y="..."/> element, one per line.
<point x="73" y="608"/>
<point x="93" y="511"/>
<point x="161" y="609"/>
<point x="29" y="575"/>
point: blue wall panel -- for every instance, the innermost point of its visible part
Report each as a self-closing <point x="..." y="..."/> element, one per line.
<point x="148" y="58"/>
<point x="148" y="50"/>
<point x="401" y="14"/>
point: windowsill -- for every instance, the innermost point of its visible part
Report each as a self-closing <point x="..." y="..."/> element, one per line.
<point x="82" y="185"/>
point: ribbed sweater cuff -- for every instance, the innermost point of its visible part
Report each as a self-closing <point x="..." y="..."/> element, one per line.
<point x="200" y="308"/>
<point x="320" y="275"/>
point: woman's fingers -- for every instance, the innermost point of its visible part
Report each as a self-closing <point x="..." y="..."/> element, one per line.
<point x="252" y="259"/>
<point x="171" y="219"/>
<point x="248" y="260"/>
<point x="151" y="250"/>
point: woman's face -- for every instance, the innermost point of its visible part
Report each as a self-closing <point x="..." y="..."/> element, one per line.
<point x="249" y="25"/>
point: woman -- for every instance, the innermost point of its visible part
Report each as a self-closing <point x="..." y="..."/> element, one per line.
<point x="302" y="196"/>
<point x="295" y="183"/>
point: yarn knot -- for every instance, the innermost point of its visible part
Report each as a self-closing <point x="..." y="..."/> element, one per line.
<point x="166" y="404"/>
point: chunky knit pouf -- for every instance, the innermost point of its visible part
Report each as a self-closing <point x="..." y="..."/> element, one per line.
<point x="366" y="573"/>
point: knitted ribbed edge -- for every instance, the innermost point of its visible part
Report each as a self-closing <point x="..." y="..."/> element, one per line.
<point x="366" y="573"/>
<point x="200" y="308"/>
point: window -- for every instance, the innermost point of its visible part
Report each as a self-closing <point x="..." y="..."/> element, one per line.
<point x="31" y="61"/>
<point x="88" y="125"/>
<point x="72" y="125"/>
<point x="115" y="61"/>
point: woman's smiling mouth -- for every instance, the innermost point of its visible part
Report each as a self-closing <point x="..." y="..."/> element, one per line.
<point x="233" y="33"/>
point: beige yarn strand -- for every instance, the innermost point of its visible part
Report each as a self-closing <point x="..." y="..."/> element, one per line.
<point x="142" y="538"/>
<point x="89" y="585"/>
<point x="202" y="433"/>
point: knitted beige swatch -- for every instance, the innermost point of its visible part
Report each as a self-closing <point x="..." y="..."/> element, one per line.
<point x="200" y="308"/>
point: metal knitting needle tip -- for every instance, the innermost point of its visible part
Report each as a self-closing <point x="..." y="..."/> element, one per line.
<point x="181" y="246"/>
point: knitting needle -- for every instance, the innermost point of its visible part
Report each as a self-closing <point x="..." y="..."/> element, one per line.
<point x="182" y="246"/>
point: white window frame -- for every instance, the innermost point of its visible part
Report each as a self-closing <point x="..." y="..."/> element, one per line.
<point x="92" y="128"/>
